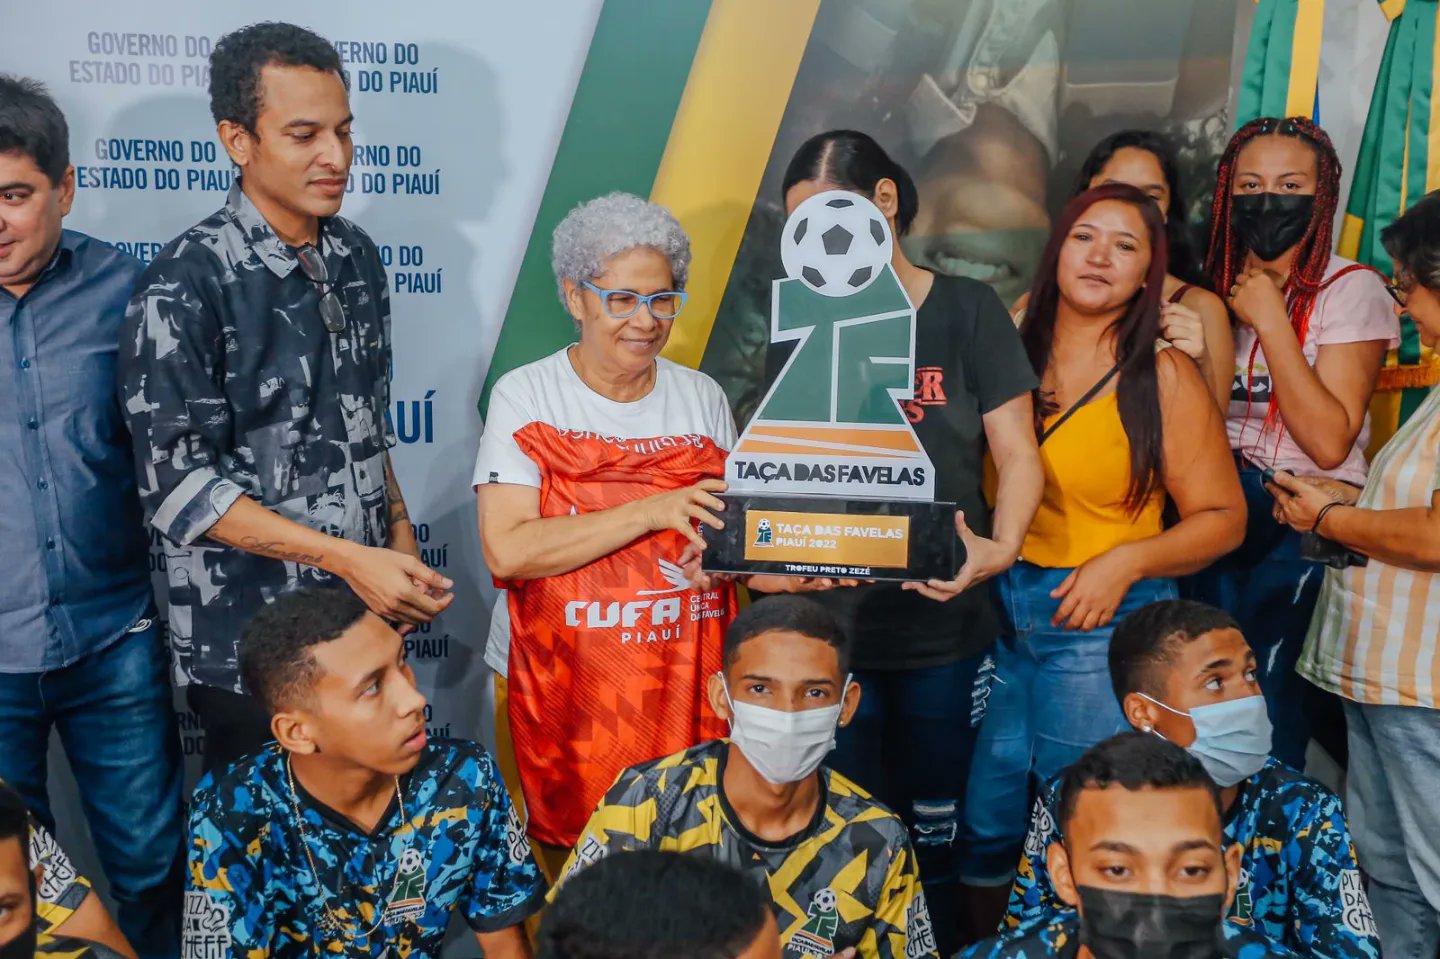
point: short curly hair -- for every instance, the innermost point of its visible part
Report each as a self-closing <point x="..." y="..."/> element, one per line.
<point x="1145" y="643"/>
<point x="648" y="904"/>
<point x="277" y="661"/>
<point x="600" y="228"/>
<point x="1133" y="761"/>
<point x="239" y="56"/>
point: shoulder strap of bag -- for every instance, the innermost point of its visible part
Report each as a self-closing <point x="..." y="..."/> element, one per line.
<point x="1089" y="395"/>
<point x="1179" y="294"/>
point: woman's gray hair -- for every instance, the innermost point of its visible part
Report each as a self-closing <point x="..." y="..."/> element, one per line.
<point x="1413" y="242"/>
<point x="600" y="228"/>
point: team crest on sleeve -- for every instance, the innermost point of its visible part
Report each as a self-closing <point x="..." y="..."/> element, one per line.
<point x="1039" y="837"/>
<point x="206" y="929"/>
<point x="817" y="936"/>
<point x="589" y="853"/>
<point x="919" y="933"/>
<point x="59" y="873"/>
<point x="407" y="902"/>
<point x="1357" y="916"/>
<point x="515" y="842"/>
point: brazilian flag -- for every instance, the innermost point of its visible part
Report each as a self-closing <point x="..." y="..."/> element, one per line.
<point x="1282" y="61"/>
<point x="1399" y="162"/>
<point x="677" y="102"/>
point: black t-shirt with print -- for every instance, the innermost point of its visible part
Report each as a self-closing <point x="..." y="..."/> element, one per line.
<point x="968" y="361"/>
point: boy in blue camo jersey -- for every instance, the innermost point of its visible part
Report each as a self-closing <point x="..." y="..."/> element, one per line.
<point x="1143" y="865"/>
<point x="351" y="835"/>
<point x="1183" y="671"/>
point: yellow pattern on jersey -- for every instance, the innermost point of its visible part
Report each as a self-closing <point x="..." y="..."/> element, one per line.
<point x="848" y="880"/>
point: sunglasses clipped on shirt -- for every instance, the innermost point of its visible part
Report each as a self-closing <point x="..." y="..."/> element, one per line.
<point x="1399" y="292"/>
<point x="312" y="264"/>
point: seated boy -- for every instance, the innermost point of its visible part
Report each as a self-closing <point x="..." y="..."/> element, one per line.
<point x="351" y="834"/>
<point x="27" y="924"/>
<point x="837" y="865"/>
<point x="1143" y="867"/>
<point x="1183" y="672"/>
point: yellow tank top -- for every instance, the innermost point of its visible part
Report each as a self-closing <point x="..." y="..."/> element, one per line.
<point x="1087" y="473"/>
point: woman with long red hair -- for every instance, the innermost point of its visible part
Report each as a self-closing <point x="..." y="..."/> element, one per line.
<point x="1122" y="426"/>
<point x="1311" y="333"/>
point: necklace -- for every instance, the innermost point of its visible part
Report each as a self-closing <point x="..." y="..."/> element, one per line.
<point x="329" y="921"/>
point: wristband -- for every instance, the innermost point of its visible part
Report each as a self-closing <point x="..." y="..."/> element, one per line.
<point x="1315" y="527"/>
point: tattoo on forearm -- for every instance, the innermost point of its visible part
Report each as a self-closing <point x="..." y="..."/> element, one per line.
<point x="398" y="512"/>
<point x="275" y="549"/>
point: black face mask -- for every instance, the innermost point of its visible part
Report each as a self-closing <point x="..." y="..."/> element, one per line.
<point x="23" y="945"/>
<point x="1127" y="925"/>
<point x="1270" y="223"/>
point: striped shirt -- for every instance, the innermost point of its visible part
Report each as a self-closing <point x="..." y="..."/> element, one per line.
<point x="1374" y="633"/>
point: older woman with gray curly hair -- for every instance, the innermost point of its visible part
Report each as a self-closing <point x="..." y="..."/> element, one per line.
<point x="595" y="465"/>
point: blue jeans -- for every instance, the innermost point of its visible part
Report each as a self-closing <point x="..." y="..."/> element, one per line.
<point x="910" y="743"/>
<point x="116" y="720"/>
<point x="1393" y="780"/>
<point x="1051" y="700"/>
<point x="1271" y="592"/>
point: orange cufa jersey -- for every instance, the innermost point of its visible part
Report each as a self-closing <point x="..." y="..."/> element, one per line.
<point x="608" y="663"/>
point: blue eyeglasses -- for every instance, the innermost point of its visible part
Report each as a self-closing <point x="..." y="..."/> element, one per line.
<point x="620" y="304"/>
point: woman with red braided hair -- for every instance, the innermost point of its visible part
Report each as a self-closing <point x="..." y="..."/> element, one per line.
<point x="1311" y="331"/>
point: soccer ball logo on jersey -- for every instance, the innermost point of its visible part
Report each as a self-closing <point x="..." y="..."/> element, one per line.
<point x="407" y="902"/>
<point x="1243" y="911"/>
<point x="817" y="936"/>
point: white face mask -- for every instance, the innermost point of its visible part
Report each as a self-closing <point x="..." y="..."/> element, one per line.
<point x="1232" y="739"/>
<point x="783" y="747"/>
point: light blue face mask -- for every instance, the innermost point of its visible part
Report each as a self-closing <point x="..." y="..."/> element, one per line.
<point x="1232" y="739"/>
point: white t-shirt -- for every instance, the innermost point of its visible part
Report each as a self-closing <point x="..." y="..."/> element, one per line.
<point x="684" y="402"/>
<point x="1353" y="309"/>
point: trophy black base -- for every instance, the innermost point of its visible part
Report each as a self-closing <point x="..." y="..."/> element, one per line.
<point x="894" y="540"/>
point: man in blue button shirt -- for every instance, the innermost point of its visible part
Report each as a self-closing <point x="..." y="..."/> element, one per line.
<point x="79" y="648"/>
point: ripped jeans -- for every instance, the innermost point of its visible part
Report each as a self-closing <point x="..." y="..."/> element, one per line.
<point x="1271" y="592"/>
<point x="910" y="744"/>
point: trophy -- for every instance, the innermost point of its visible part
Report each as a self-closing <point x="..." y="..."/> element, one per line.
<point x="828" y="478"/>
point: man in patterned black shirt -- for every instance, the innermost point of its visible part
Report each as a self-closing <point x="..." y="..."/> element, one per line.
<point x="255" y="369"/>
<point x="352" y="835"/>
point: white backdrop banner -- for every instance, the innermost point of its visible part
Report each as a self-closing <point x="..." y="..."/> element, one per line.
<point x="458" y="113"/>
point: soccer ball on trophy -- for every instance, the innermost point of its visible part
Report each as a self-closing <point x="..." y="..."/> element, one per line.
<point x="836" y="243"/>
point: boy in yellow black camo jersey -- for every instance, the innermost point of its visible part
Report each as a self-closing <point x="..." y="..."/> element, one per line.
<point x="837" y="864"/>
